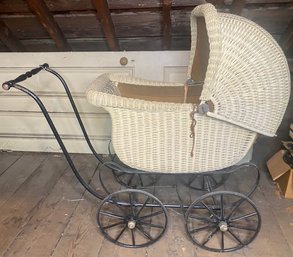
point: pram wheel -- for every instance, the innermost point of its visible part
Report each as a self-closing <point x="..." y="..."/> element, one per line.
<point x="132" y="218"/>
<point x="205" y="182"/>
<point x="134" y="180"/>
<point x="222" y="221"/>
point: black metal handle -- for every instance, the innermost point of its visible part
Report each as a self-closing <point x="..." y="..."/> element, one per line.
<point x="7" y="85"/>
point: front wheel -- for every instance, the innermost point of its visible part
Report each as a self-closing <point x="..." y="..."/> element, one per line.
<point x="132" y="218"/>
<point x="222" y="221"/>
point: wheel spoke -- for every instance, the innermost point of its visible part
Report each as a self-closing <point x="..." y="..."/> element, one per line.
<point x="222" y="206"/>
<point x="141" y="208"/>
<point x="210" y="236"/>
<point x="151" y="215"/>
<point x="130" y="179"/>
<point x="209" y="187"/>
<point x="202" y="228"/>
<point x="151" y="225"/>
<point x="132" y="207"/>
<point x="121" y="232"/>
<point x="113" y="225"/>
<point x="222" y="241"/>
<point x="236" y="237"/>
<point x="242" y="227"/>
<point x="146" y="234"/>
<point x="132" y="237"/>
<point x="236" y="207"/>
<point x="140" y="180"/>
<point x="242" y="217"/>
<point x="210" y="210"/>
<point x="112" y="215"/>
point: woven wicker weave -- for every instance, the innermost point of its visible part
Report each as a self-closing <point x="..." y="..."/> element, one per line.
<point x="247" y="81"/>
<point x="248" y="78"/>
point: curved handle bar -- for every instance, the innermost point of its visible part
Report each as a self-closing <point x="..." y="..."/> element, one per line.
<point x="59" y="140"/>
<point x="7" y="85"/>
<point x="12" y="83"/>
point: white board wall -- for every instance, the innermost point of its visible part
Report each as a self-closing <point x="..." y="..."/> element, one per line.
<point x="22" y="125"/>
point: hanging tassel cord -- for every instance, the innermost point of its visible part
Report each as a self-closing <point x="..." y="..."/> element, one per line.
<point x="192" y="129"/>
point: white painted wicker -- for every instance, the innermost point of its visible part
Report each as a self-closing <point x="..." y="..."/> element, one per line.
<point x="155" y="136"/>
<point x="248" y="78"/>
<point x="249" y="87"/>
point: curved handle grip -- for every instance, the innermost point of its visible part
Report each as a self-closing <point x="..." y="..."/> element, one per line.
<point x="7" y="85"/>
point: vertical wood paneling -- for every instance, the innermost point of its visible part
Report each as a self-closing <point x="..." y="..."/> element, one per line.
<point x="22" y="126"/>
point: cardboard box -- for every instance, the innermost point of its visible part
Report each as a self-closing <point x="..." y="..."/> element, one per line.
<point x="282" y="173"/>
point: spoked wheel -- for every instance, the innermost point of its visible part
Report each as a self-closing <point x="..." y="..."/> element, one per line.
<point x="206" y="182"/>
<point x="132" y="218"/>
<point x="134" y="180"/>
<point x="222" y="221"/>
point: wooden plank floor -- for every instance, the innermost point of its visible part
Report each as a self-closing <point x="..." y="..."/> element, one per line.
<point x="46" y="212"/>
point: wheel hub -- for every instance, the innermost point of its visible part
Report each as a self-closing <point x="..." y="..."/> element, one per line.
<point x="223" y="226"/>
<point x="131" y="224"/>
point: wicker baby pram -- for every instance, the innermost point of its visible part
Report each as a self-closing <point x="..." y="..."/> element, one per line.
<point x="199" y="127"/>
<point x="206" y="124"/>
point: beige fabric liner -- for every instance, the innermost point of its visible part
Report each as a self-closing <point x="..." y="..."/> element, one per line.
<point x="175" y="94"/>
<point x="202" y="51"/>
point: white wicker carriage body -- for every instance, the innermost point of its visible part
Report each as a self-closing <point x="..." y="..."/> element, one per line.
<point x="248" y="85"/>
<point x="160" y="142"/>
<point x="155" y="136"/>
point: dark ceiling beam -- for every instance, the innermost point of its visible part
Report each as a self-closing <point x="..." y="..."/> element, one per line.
<point x="9" y="40"/>
<point x="237" y="6"/>
<point x="106" y="21"/>
<point x="47" y="20"/>
<point x="286" y="40"/>
<point x="167" y="24"/>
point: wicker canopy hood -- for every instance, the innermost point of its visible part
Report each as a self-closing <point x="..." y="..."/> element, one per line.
<point x="247" y="78"/>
